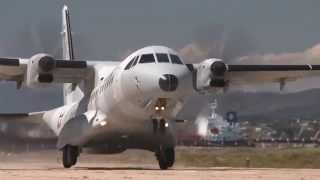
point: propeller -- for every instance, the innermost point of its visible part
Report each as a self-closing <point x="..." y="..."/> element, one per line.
<point x="33" y="38"/>
<point x="45" y="37"/>
<point x="218" y="42"/>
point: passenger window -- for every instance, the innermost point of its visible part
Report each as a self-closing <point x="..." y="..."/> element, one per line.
<point x="163" y="58"/>
<point x="175" y="59"/>
<point x="147" y="58"/>
<point x="129" y="64"/>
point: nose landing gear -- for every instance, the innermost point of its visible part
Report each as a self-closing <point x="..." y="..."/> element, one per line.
<point x="159" y="126"/>
<point x="165" y="157"/>
<point x="165" y="154"/>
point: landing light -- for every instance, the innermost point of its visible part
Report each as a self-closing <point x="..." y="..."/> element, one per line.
<point x="103" y="123"/>
<point x="166" y="125"/>
<point x="157" y="108"/>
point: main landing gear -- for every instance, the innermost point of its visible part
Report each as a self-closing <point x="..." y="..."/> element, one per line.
<point x="70" y="155"/>
<point x="166" y="157"/>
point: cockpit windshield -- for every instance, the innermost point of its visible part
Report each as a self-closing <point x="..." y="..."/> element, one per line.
<point x="135" y="61"/>
<point x="150" y="58"/>
<point x="147" y="58"/>
<point x="163" y="58"/>
<point x="128" y="66"/>
<point x="175" y="59"/>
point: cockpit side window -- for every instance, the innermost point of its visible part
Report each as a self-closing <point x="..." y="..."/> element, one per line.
<point x="128" y="66"/>
<point x="147" y="58"/>
<point x="175" y="59"/>
<point x="163" y="58"/>
<point x="135" y="61"/>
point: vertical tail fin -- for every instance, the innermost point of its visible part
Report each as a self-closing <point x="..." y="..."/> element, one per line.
<point x="71" y="92"/>
<point x="67" y="44"/>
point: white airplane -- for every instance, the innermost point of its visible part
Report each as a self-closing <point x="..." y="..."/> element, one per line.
<point x="132" y="103"/>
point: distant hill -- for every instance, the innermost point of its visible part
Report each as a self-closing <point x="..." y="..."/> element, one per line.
<point x="261" y="106"/>
<point x="272" y="106"/>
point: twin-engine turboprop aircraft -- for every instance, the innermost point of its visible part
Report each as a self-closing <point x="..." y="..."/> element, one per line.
<point x="131" y="103"/>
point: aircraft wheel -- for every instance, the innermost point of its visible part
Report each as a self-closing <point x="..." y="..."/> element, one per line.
<point x="166" y="157"/>
<point x="170" y="155"/>
<point x="70" y="155"/>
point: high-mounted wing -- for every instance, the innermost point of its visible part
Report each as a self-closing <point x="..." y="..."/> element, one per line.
<point x="15" y="69"/>
<point x="11" y="69"/>
<point x="257" y="74"/>
<point x="42" y="69"/>
<point x="214" y="73"/>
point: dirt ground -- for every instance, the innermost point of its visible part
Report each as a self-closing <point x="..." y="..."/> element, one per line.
<point x="47" y="171"/>
<point x="131" y="165"/>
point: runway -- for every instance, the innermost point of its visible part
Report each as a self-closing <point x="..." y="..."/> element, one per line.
<point x="101" y="171"/>
<point x="46" y="165"/>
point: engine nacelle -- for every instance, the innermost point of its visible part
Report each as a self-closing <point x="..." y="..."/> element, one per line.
<point x="39" y="71"/>
<point x="210" y="75"/>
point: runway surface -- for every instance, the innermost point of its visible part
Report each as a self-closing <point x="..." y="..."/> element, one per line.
<point x="130" y="165"/>
<point x="99" y="171"/>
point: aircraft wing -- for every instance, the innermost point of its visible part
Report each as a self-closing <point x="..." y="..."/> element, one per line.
<point x="215" y="73"/>
<point x="259" y="74"/>
<point x="12" y="69"/>
<point x="42" y="68"/>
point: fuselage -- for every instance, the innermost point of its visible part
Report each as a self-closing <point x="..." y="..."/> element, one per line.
<point x="138" y="88"/>
<point x="151" y="83"/>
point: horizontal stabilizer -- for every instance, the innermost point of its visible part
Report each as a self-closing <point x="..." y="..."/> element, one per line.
<point x="29" y="118"/>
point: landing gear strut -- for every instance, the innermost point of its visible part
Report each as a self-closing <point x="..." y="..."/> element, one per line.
<point x="155" y="125"/>
<point x="159" y="125"/>
<point x="166" y="157"/>
<point x="70" y="155"/>
<point x="162" y="125"/>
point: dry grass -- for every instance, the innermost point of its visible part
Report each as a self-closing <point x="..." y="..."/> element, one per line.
<point x="259" y="158"/>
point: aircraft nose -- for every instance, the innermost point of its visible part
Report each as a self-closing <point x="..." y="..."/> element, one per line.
<point x="168" y="82"/>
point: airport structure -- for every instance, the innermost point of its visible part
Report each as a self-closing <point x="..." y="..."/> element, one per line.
<point x="221" y="128"/>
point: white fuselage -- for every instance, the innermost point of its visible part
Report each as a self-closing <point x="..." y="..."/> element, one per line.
<point x="125" y="101"/>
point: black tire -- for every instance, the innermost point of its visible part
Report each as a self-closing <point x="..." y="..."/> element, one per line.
<point x="69" y="156"/>
<point x="166" y="157"/>
<point x="163" y="164"/>
<point x="170" y="156"/>
<point x="75" y="155"/>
